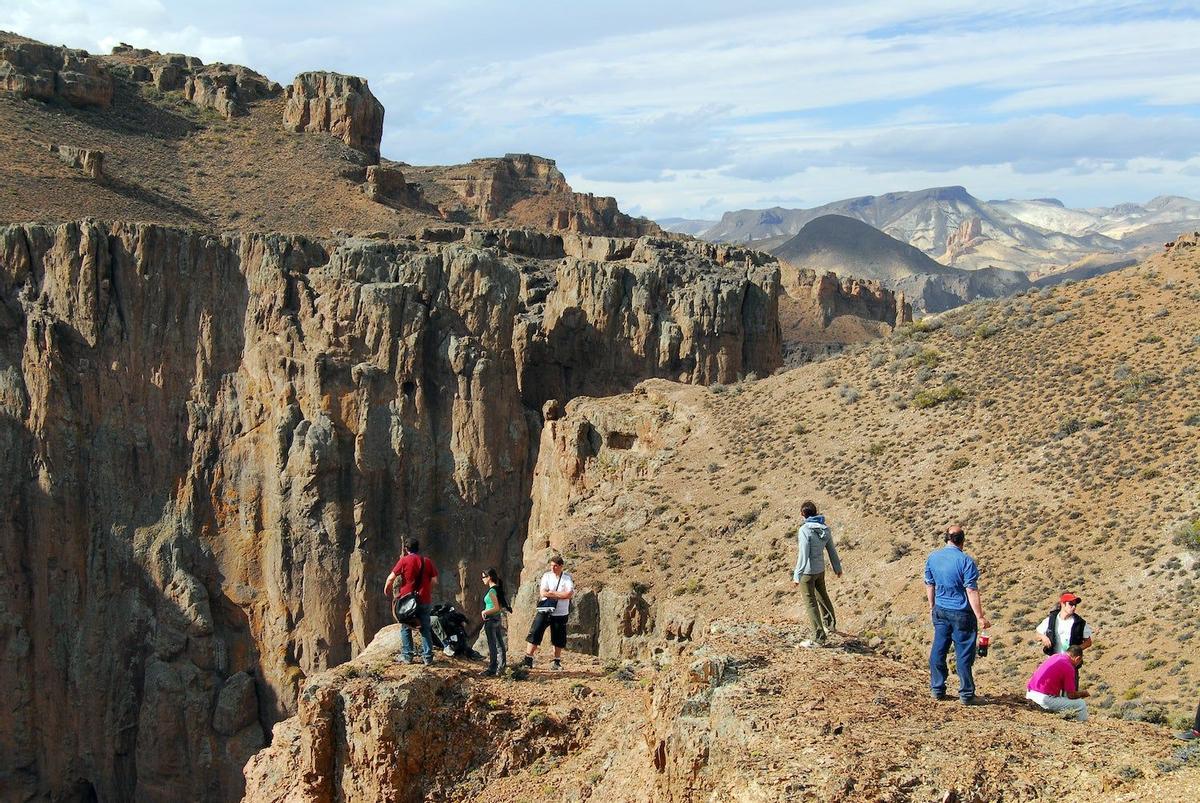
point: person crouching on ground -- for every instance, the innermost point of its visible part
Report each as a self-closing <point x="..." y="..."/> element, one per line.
<point x="495" y="603"/>
<point x="554" y="604"/>
<point x="813" y="540"/>
<point x="1053" y="688"/>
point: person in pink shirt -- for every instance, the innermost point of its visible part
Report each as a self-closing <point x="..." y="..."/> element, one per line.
<point x="1052" y="686"/>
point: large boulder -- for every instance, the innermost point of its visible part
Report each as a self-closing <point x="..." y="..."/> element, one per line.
<point x="341" y="105"/>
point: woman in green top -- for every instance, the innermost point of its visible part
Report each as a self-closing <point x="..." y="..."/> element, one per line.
<point x="495" y="603"/>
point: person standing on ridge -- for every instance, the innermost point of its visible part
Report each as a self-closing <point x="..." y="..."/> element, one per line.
<point x="554" y="604"/>
<point x="952" y="589"/>
<point x="1053" y="685"/>
<point x="813" y="540"/>
<point x="1064" y="627"/>
<point x="495" y="603"/>
<point x="418" y="573"/>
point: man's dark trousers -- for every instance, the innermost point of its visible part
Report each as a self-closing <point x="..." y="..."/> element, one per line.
<point x="957" y="628"/>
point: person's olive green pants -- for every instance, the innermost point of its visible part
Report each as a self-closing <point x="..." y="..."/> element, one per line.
<point x="818" y="604"/>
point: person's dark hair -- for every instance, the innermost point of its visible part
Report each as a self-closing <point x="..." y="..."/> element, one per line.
<point x="955" y="535"/>
<point x="1075" y="651"/>
<point x="557" y="560"/>
<point x="808" y="509"/>
<point x="501" y="597"/>
<point x="412" y="545"/>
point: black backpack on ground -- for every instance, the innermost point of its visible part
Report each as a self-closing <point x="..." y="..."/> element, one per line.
<point x="449" y="627"/>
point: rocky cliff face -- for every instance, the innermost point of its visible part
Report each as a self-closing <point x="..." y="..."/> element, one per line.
<point x="213" y="445"/>
<point x="227" y="89"/>
<point x="963" y="239"/>
<point x="525" y="190"/>
<point x="341" y="105"/>
<point x="863" y="298"/>
<point x="35" y="70"/>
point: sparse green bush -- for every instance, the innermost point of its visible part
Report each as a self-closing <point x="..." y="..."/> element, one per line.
<point x="1187" y="534"/>
<point x="935" y="396"/>
<point x="959" y="463"/>
<point x="1067" y="427"/>
<point x="986" y="330"/>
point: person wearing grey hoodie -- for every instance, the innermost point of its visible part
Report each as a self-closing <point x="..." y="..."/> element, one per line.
<point x="813" y="540"/>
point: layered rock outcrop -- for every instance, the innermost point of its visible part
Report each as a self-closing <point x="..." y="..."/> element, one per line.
<point x="528" y="190"/>
<point x="45" y="72"/>
<point x="89" y="160"/>
<point x="227" y="89"/>
<point x="336" y="104"/>
<point x="863" y="298"/>
<point x="213" y="446"/>
<point x="963" y="239"/>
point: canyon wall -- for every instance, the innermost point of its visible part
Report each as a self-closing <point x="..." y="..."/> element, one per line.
<point x="212" y="447"/>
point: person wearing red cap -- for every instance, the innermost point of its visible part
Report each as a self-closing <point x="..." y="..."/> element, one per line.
<point x="1064" y="627"/>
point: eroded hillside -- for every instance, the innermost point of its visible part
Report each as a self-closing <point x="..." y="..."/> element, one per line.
<point x="1060" y="427"/>
<point x="218" y="147"/>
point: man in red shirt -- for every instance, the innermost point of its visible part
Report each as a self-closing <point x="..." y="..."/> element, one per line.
<point x="413" y="570"/>
<point x="1053" y="684"/>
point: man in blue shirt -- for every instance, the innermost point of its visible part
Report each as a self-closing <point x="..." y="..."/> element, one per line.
<point x="952" y="587"/>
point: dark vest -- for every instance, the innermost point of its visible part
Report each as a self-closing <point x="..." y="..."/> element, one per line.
<point x="1052" y="632"/>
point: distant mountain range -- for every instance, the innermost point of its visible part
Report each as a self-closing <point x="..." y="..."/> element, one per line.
<point x="848" y="246"/>
<point x="952" y="226"/>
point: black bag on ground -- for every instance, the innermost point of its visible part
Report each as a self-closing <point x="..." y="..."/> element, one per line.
<point x="449" y="627"/>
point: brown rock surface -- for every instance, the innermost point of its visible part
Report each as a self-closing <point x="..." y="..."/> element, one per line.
<point x="340" y="105"/>
<point x="748" y="715"/>
<point x="34" y="70"/>
<point x="963" y="239"/>
<point x="526" y="190"/>
<point x="89" y="161"/>
<point x="216" y="444"/>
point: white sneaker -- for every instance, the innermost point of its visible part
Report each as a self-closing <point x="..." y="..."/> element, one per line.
<point x="808" y="643"/>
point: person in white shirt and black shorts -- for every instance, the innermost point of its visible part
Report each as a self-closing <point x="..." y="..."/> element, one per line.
<point x="554" y="605"/>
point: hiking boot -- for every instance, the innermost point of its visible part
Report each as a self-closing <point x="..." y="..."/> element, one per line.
<point x="527" y="662"/>
<point x="939" y="695"/>
<point x="1188" y="736"/>
<point x="489" y="673"/>
<point x="969" y="701"/>
<point x="556" y="665"/>
<point x="427" y="661"/>
<point x="405" y="659"/>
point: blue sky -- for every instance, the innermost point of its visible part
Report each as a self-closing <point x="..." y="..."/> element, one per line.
<point x="695" y="108"/>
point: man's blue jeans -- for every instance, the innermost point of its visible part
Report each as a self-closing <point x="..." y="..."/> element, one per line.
<point x="957" y="628"/>
<point x="406" y="643"/>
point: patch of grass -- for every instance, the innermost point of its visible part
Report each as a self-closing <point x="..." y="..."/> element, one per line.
<point x="933" y="397"/>
<point x="1187" y="535"/>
